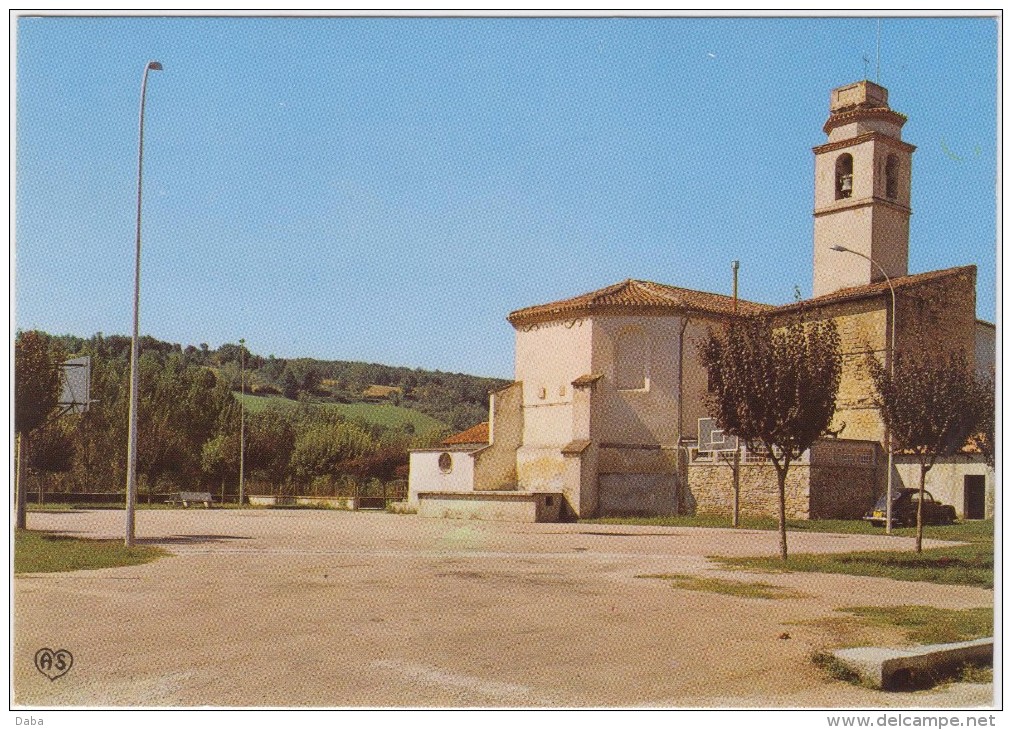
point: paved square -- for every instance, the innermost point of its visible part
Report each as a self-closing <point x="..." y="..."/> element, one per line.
<point x="339" y="609"/>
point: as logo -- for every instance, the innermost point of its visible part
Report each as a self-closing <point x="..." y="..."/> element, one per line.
<point x="53" y="664"/>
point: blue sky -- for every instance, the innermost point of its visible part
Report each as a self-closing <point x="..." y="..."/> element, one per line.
<point x="389" y="189"/>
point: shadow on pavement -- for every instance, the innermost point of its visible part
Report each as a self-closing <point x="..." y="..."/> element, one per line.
<point x="189" y="539"/>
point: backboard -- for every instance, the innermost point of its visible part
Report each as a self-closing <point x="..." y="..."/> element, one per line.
<point x="75" y="385"/>
<point x="713" y="439"/>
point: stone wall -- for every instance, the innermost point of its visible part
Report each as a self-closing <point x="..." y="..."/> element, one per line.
<point x="637" y="481"/>
<point x="845" y="478"/>
<point x="711" y="490"/>
<point x="837" y="479"/>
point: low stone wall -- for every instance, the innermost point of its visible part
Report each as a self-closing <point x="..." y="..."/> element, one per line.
<point x="841" y="492"/>
<point x="838" y="479"/>
<point x="637" y="480"/>
<point x="495" y="506"/>
<point x="711" y="490"/>
<point x="287" y="501"/>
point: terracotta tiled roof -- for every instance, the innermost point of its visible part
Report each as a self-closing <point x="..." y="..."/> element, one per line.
<point x="634" y="296"/>
<point x="877" y="289"/>
<point x="474" y="435"/>
<point x="846" y="116"/>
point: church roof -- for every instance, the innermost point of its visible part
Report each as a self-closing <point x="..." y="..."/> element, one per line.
<point x="878" y="288"/>
<point x="633" y="296"/>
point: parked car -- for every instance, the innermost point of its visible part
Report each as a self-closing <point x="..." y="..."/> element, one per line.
<point x="905" y="510"/>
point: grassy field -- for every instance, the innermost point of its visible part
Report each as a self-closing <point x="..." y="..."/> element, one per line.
<point x="927" y="624"/>
<point x="41" y="552"/>
<point x="383" y="414"/>
<point x="726" y="587"/>
<point x="969" y="564"/>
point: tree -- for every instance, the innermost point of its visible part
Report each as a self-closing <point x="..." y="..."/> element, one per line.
<point x="36" y="381"/>
<point x="983" y="438"/>
<point x="51" y="450"/>
<point x="220" y="458"/>
<point x="932" y="404"/>
<point x="270" y="440"/>
<point x="774" y="386"/>
<point x="322" y="448"/>
<point x="36" y="394"/>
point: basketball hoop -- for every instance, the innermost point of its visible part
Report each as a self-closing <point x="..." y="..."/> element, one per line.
<point x="75" y="385"/>
<point x="713" y="439"/>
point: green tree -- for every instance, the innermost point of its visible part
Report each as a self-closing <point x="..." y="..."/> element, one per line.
<point x="220" y="459"/>
<point x="270" y="440"/>
<point x="774" y="386"/>
<point x="321" y="448"/>
<point x="36" y="394"/>
<point x="36" y="380"/>
<point x="932" y="404"/>
<point x="983" y="438"/>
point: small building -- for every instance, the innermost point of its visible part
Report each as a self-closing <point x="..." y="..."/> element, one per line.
<point x="609" y="389"/>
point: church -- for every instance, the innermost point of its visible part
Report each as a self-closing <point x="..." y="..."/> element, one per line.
<point x="604" y="415"/>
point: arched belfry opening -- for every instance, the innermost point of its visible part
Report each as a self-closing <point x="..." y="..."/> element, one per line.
<point x="844" y="176"/>
<point x="892" y="176"/>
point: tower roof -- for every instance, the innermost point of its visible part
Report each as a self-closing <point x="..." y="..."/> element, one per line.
<point x="634" y="296"/>
<point x="863" y="100"/>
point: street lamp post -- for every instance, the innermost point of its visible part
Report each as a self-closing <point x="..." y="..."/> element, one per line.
<point x="892" y="375"/>
<point x="131" y="486"/>
<point x="242" y="420"/>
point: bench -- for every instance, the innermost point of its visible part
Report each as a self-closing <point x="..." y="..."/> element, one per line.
<point x="186" y="498"/>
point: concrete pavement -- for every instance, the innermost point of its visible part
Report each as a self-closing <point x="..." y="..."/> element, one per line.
<point x="289" y="608"/>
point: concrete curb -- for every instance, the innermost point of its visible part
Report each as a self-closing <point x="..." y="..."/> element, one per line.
<point x="904" y="668"/>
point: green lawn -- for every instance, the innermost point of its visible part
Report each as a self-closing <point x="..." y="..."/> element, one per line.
<point x="929" y="625"/>
<point x="383" y="414"/>
<point x="971" y="564"/>
<point x="42" y="552"/>
<point x="726" y="587"/>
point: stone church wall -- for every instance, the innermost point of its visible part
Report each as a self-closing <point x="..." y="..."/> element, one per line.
<point x="837" y="479"/>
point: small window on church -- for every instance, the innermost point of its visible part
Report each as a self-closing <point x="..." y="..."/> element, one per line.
<point x="631" y="360"/>
<point x="844" y="176"/>
<point x="445" y="463"/>
<point x="892" y="176"/>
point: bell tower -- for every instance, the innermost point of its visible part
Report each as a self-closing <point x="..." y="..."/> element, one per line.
<point x="862" y="190"/>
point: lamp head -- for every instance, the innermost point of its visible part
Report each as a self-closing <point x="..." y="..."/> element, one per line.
<point x="154" y="66"/>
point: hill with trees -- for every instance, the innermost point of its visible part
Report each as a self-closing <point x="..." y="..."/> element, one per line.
<point x="312" y="426"/>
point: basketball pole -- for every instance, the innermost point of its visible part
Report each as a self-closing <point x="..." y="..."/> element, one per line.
<point x="131" y="486"/>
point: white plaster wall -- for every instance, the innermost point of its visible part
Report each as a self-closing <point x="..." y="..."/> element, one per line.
<point x="890" y="238"/>
<point x="945" y="480"/>
<point x="825" y="175"/>
<point x="694" y="377"/>
<point x="849" y="131"/>
<point x="640" y="416"/>
<point x="549" y="357"/>
<point x="424" y="474"/>
<point x="835" y="270"/>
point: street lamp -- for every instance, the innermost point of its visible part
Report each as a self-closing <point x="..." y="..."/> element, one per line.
<point x="131" y="487"/>
<point x="892" y="374"/>
<point x="242" y="418"/>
